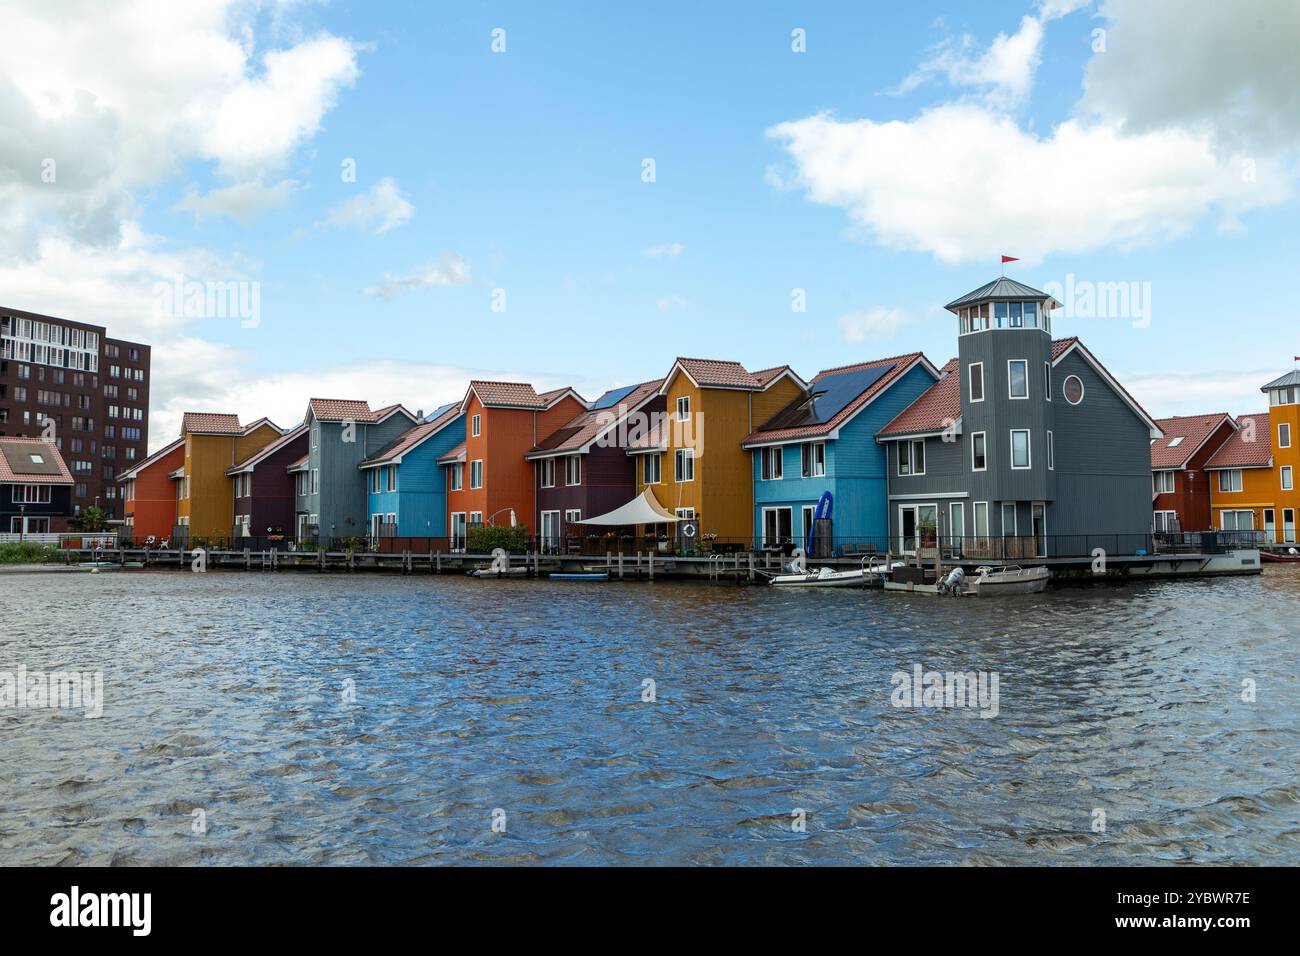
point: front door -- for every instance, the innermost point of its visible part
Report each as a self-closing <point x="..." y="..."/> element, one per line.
<point x="458" y="531"/>
<point x="1039" y="517"/>
<point x="956" y="527"/>
<point x="806" y="517"/>
<point x="776" y="526"/>
<point x="550" y="529"/>
<point x="1270" y="525"/>
<point x="918" y="527"/>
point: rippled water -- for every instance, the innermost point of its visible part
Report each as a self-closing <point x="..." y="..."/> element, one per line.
<point x="225" y="692"/>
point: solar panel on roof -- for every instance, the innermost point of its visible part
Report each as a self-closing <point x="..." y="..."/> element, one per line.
<point x="614" y="396"/>
<point x="830" y="395"/>
<point x="441" y="410"/>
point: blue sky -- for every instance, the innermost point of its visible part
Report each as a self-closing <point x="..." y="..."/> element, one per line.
<point x="920" y="142"/>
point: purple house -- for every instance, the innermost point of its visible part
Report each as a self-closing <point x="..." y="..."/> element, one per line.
<point x="263" y="487"/>
<point x="582" y="469"/>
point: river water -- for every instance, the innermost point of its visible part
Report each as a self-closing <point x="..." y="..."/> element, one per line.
<point x="353" y="719"/>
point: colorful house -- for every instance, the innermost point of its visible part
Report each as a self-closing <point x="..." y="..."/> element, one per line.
<point x="1254" y="486"/>
<point x="331" y="494"/>
<point x="262" y="488"/>
<point x="582" y="469"/>
<point x="824" y="440"/>
<point x="1180" y="485"/>
<point x="35" y="487"/>
<point x="407" y="486"/>
<point x="1027" y="447"/>
<point x="149" y="493"/>
<point x="693" y="463"/>
<point x="489" y="481"/>
<point x="213" y="443"/>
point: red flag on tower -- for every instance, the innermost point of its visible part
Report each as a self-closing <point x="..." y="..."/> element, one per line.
<point x="1006" y="259"/>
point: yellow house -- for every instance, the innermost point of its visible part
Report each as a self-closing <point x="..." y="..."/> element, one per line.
<point x="1253" y="483"/>
<point x="691" y="458"/>
<point x="213" y="443"/>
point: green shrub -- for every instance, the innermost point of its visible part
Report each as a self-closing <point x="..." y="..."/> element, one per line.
<point x="485" y="538"/>
<point x="27" y="552"/>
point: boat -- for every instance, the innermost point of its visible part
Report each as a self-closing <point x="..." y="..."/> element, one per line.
<point x="830" y="578"/>
<point x="499" y="568"/>
<point x="1291" y="554"/>
<point x="1011" y="579"/>
<point x="579" y="575"/>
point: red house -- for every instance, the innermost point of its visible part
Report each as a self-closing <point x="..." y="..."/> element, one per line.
<point x="1180" y="486"/>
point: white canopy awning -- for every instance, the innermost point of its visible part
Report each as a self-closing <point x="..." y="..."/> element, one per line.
<point x="642" y="510"/>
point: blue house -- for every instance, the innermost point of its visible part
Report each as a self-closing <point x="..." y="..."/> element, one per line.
<point x="825" y="441"/>
<point x="407" y="488"/>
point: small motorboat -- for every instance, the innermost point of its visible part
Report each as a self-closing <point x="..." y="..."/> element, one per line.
<point x="1012" y="579"/>
<point x="796" y="575"/>
<point x="579" y="575"/>
<point x="499" y="568"/>
<point x="1290" y="554"/>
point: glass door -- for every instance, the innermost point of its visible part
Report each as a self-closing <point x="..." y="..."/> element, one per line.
<point x="1270" y="525"/>
<point x="956" y="527"/>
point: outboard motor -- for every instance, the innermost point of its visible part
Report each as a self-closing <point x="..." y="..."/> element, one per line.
<point x="952" y="581"/>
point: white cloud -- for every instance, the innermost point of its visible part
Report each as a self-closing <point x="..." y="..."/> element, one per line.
<point x="1229" y="68"/>
<point x="242" y="201"/>
<point x="873" y="324"/>
<point x="451" y="269"/>
<point x="1140" y="164"/>
<point x="669" y="250"/>
<point x="1234" y="392"/>
<point x="923" y="186"/>
<point x="382" y="208"/>
<point x="1005" y="71"/>
<point x="670" y="302"/>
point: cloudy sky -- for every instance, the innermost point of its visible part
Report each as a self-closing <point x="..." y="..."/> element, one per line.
<point x="419" y="193"/>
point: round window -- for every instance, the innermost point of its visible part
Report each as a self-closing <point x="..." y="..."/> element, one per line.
<point x="1073" y="388"/>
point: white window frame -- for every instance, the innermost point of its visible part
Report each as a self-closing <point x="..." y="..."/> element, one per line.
<point x="976" y="508"/>
<point x="771" y="464"/>
<point x="1287" y="476"/>
<point x="1280" y="431"/>
<point x="1228" y="473"/>
<point x="1158" y="482"/>
<point x="911" y="458"/>
<point x="814" y="453"/>
<point x="681" y="455"/>
<point x="1170" y="518"/>
<point x="475" y="426"/>
<point x="683" y="408"/>
<point x="970" y="381"/>
<point x="479" y="483"/>
<point x="1015" y="519"/>
<point x="956" y="508"/>
<point x="1051" y="451"/>
<point x="1065" y="384"/>
<point x="1010" y="393"/>
<point x="572" y="470"/>
<point x="457" y="479"/>
<point x="1223" y="514"/>
<point x="776" y="509"/>
<point x="546" y="477"/>
<point x="973" y="466"/>
<point x="1047" y="380"/>
<point x="1288" y="527"/>
<point x="1029" y="449"/>
<point x="658" y="469"/>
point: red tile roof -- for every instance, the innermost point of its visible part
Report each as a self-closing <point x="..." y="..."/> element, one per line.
<point x="341" y="410"/>
<point x="933" y="409"/>
<point x="413" y="436"/>
<point x="1250" y="446"/>
<point x="900" y="363"/>
<point x="211" y="423"/>
<point x="456" y="454"/>
<point x="1192" y="429"/>
<point x="269" y="448"/>
<point x="713" y="373"/>
<point x="654" y="438"/>
<point x="586" y="427"/>
<point x="766" y="375"/>
<point x="507" y="394"/>
<point x="52" y="471"/>
<point x="295" y="465"/>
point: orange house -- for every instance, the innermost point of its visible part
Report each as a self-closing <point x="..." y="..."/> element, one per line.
<point x="205" y="503"/>
<point x="1255" y="472"/>
<point x="489" y="482"/>
<point x="150" y="493"/>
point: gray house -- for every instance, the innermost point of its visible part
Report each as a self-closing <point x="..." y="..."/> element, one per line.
<point x="331" y="498"/>
<point x="1026" y="447"/>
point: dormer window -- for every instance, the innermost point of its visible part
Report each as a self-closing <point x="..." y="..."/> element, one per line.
<point x="1175" y="442"/>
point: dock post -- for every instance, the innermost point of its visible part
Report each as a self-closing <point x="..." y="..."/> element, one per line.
<point x="751" y="566"/>
<point x="620" y="564"/>
<point x="320" y="560"/>
<point x="651" y="556"/>
<point x="437" y="556"/>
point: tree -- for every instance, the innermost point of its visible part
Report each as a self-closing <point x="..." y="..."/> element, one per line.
<point x="89" y="519"/>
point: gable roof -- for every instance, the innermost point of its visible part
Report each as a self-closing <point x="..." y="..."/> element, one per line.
<point x="270" y="448"/>
<point x="1236" y="452"/>
<point x="341" y="410"/>
<point x="1193" y="430"/>
<point x="933" y="410"/>
<point x="210" y="423"/>
<point x="516" y="395"/>
<point x="152" y="459"/>
<point x="1063" y="347"/>
<point x="1000" y="288"/>
<point x="17" y="466"/>
<point x="411" y="438"/>
<point x="844" y="391"/>
<point x="721" y="373"/>
<point x="578" y="434"/>
<point x="453" y="456"/>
